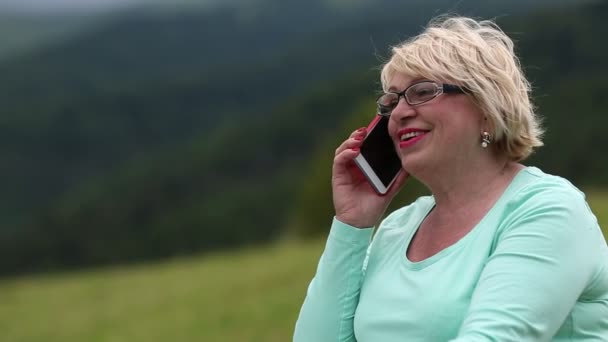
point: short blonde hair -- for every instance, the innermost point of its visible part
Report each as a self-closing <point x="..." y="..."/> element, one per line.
<point x="480" y="57"/>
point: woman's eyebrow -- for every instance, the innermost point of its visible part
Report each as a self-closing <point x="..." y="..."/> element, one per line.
<point x="393" y="89"/>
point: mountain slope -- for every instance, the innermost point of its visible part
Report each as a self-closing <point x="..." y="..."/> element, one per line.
<point x="109" y="160"/>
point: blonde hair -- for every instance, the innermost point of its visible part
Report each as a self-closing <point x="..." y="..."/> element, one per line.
<point x="480" y="57"/>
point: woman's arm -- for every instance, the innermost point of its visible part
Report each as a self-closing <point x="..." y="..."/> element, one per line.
<point x="329" y="308"/>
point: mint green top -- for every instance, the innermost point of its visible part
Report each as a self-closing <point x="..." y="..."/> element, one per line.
<point x="535" y="268"/>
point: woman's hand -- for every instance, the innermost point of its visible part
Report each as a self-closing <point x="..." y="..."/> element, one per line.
<point x="355" y="201"/>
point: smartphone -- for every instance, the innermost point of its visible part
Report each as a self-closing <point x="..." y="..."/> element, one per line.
<point x="378" y="159"/>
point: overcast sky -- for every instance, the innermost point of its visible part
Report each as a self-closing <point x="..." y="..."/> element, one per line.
<point x="61" y="5"/>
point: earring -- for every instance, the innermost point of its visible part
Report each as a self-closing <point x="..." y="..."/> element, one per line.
<point x="485" y="139"/>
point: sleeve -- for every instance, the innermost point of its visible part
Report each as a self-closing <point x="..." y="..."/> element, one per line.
<point x="329" y="308"/>
<point x="543" y="259"/>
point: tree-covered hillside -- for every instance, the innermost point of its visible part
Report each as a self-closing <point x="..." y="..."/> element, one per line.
<point x="564" y="54"/>
<point x="161" y="135"/>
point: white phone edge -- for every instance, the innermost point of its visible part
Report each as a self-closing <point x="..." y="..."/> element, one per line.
<point x="371" y="175"/>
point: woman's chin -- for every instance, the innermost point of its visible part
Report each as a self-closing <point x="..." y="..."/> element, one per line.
<point x="415" y="164"/>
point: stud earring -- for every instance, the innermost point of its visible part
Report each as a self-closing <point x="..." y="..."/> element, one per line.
<point x="485" y="139"/>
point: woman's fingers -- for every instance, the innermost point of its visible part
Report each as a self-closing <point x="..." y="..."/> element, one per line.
<point x="354" y="141"/>
<point x="345" y="156"/>
<point x="359" y="131"/>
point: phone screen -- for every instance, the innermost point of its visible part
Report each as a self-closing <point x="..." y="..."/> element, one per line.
<point x="379" y="151"/>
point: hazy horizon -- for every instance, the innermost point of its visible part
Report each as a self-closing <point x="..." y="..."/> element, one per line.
<point x="67" y="6"/>
<point x="57" y="6"/>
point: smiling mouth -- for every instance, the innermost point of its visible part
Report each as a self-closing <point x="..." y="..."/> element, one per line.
<point x="411" y="135"/>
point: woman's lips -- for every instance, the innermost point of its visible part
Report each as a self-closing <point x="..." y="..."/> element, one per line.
<point x="417" y="135"/>
<point x="411" y="141"/>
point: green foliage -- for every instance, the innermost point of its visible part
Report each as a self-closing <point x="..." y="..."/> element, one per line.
<point x="86" y="107"/>
<point x="224" y="190"/>
<point x="164" y="135"/>
<point x="22" y="34"/>
<point x="598" y="201"/>
<point x="561" y="53"/>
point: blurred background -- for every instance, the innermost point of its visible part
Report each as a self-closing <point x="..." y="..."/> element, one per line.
<point x="166" y="165"/>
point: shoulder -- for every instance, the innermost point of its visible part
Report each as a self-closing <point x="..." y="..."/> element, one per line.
<point x="547" y="202"/>
<point x="534" y="181"/>
<point x="404" y="215"/>
<point x="541" y="191"/>
<point x="546" y="219"/>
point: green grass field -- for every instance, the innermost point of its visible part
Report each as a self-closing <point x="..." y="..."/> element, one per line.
<point x="249" y="295"/>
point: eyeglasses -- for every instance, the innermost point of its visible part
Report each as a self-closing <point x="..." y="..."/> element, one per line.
<point x="415" y="94"/>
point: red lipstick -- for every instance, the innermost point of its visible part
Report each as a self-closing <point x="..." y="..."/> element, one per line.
<point x="417" y="134"/>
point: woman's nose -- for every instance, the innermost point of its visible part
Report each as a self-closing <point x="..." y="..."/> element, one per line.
<point x="403" y="110"/>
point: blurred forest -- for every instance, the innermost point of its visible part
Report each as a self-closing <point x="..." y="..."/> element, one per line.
<point x="155" y="133"/>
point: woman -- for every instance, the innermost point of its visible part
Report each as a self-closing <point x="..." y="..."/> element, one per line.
<point x="499" y="252"/>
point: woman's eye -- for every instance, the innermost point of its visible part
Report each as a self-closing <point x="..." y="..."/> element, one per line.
<point x="421" y="92"/>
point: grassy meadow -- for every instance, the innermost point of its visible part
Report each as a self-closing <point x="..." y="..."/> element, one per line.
<point x="248" y="295"/>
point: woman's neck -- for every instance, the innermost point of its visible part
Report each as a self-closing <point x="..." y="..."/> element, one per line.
<point x="461" y="187"/>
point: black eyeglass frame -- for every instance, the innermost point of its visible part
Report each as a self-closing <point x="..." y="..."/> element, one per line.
<point x="441" y="89"/>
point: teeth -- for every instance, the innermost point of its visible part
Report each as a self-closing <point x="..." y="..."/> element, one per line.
<point x="411" y="135"/>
